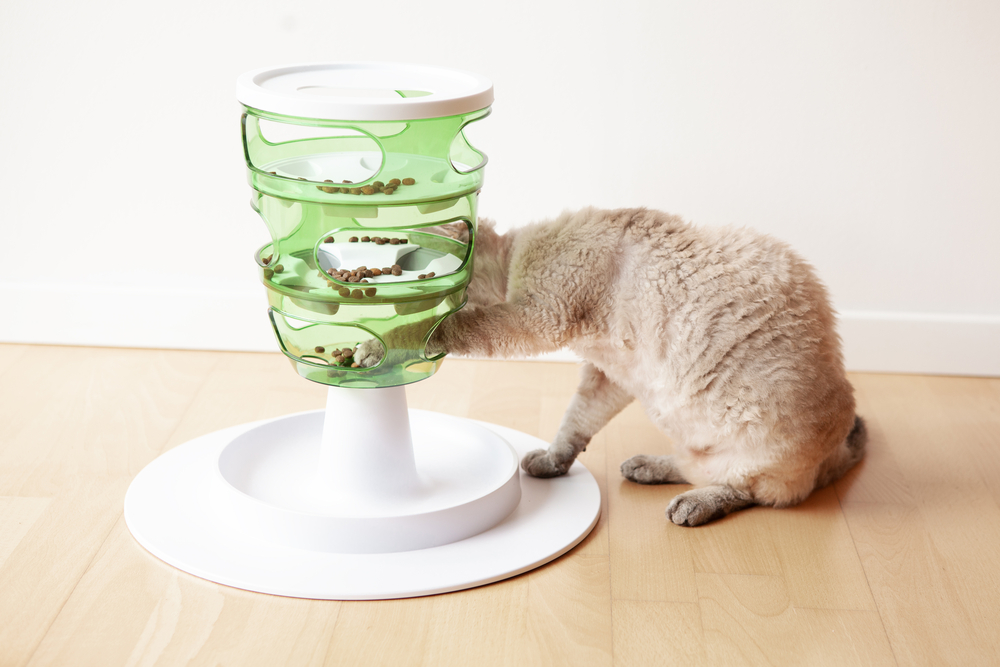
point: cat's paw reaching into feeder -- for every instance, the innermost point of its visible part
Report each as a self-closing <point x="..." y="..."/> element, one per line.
<point x="369" y="353"/>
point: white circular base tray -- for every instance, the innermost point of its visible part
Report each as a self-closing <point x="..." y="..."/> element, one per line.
<point x="173" y="510"/>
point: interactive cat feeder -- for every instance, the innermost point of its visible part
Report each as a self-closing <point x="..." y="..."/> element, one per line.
<point x="360" y="165"/>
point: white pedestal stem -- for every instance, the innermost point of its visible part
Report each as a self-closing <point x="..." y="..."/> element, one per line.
<point x="367" y="451"/>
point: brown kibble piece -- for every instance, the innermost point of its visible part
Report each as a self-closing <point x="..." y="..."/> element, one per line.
<point x="368" y="190"/>
<point x="356" y="294"/>
<point x="355" y="365"/>
<point x="327" y="180"/>
<point x="343" y="291"/>
<point x="268" y="274"/>
<point x="338" y="358"/>
<point x="388" y="190"/>
<point x="347" y="181"/>
<point x="267" y="260"/>
<point x="397" y="270"/>
<point x="370" y="291"/>
<point x="353" y="239"/>
<point x="394" y="182"/>
<point x="430" y="275"/>
<point x="365" y="239"/>
<point x="319" y="349"/>
<point x="408" y="181"/>
<point x="345" y="191"/>
<point x="279" y="268"/>
<point x="379" y="184"/>
<point x="394" y="241"/>
<point x="387" y="270"/>
<point x="355" y="191"/>
<point x="404" y="241"/>
<point x="273" y="173"/>
<point x="328" y="239"/>
<point x="421" y="276"/>
<point x="364" y="281"/>
<point x="376" y="272"/>
<point x="379" y="241"/>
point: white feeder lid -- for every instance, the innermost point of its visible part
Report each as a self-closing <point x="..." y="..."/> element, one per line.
<point x="364" y="91"/>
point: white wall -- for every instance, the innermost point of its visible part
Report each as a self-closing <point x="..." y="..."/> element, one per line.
<point x="867" y="134"/>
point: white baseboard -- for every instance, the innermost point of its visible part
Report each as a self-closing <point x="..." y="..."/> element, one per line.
<point x="874" y="341"/>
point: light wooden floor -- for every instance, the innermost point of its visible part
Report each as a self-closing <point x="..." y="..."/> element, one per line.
<point x="897" y="564"/>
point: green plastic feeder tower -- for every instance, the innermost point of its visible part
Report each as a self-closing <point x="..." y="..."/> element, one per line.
<point x="365" y="180"/>
<point x="323" y="146"/>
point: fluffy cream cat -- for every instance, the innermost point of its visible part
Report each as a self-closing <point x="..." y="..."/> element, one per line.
<point x="725" y="336"/>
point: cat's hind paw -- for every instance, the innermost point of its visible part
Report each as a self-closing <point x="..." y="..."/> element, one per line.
<point x="369" y="353"/>
<point x="539" y="463"/>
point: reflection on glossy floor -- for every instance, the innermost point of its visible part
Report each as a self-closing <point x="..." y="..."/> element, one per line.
<point x="899" y="563"/>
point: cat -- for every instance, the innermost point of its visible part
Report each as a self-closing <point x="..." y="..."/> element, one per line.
<point x="725" y="336"/>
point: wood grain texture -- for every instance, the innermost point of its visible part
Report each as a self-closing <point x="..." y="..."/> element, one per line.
<point x="897" y="563"/>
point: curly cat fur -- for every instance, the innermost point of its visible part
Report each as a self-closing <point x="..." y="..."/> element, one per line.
<point x="725" y="336"/>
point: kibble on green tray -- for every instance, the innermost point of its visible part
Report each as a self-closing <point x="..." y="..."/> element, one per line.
<point x="373" y="188"/>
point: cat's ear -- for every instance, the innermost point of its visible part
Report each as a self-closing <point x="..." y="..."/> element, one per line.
<point x="487" y="222"/>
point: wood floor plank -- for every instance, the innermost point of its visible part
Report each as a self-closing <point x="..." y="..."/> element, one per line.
<point x="819" y="562"/>
<point x="736" y="544"/>
<point x="975" y="418"/>
<point x="160" y="615"/>
<point x="750" y="620"/>
<point x="95" y="413"/>
<point x="17" y="516"/>
<point x="918" y="592"/>
<point x="897" y="562"/>
<point x="878" y="477"/>
<point x="44" y="568"/>
<point x="480" y="626"/>
<point x="651" y="559"/>
<point x="658" y="633"/>
<point x="568" y="614"/>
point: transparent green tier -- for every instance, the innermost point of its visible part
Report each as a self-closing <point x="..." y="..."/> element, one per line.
<point x="416" y="238"/>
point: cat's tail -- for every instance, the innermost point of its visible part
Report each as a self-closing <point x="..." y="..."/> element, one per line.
<point x="845" y="456"/>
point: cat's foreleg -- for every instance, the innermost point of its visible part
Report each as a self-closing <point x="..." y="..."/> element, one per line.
<point x="500" y="330"/>
<point x="596" y="401"/>
<point x="708" y="503"/>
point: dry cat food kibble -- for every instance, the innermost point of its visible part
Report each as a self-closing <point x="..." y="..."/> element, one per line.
<point x="365" y="239"/>
<point x="374" y="188"/>
<point x="319" y="349"/>
<point x="278" y="268"/>
<point x="267" y="260"/>
<point x="353" y="239"/>
<point x="268" y="274"/>
<point x="397" y="270"/>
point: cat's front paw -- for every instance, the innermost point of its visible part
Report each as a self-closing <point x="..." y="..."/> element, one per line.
<point x="539" y="463"/>
<point x="643" y="469"/>
<point x="369" y="353"/>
